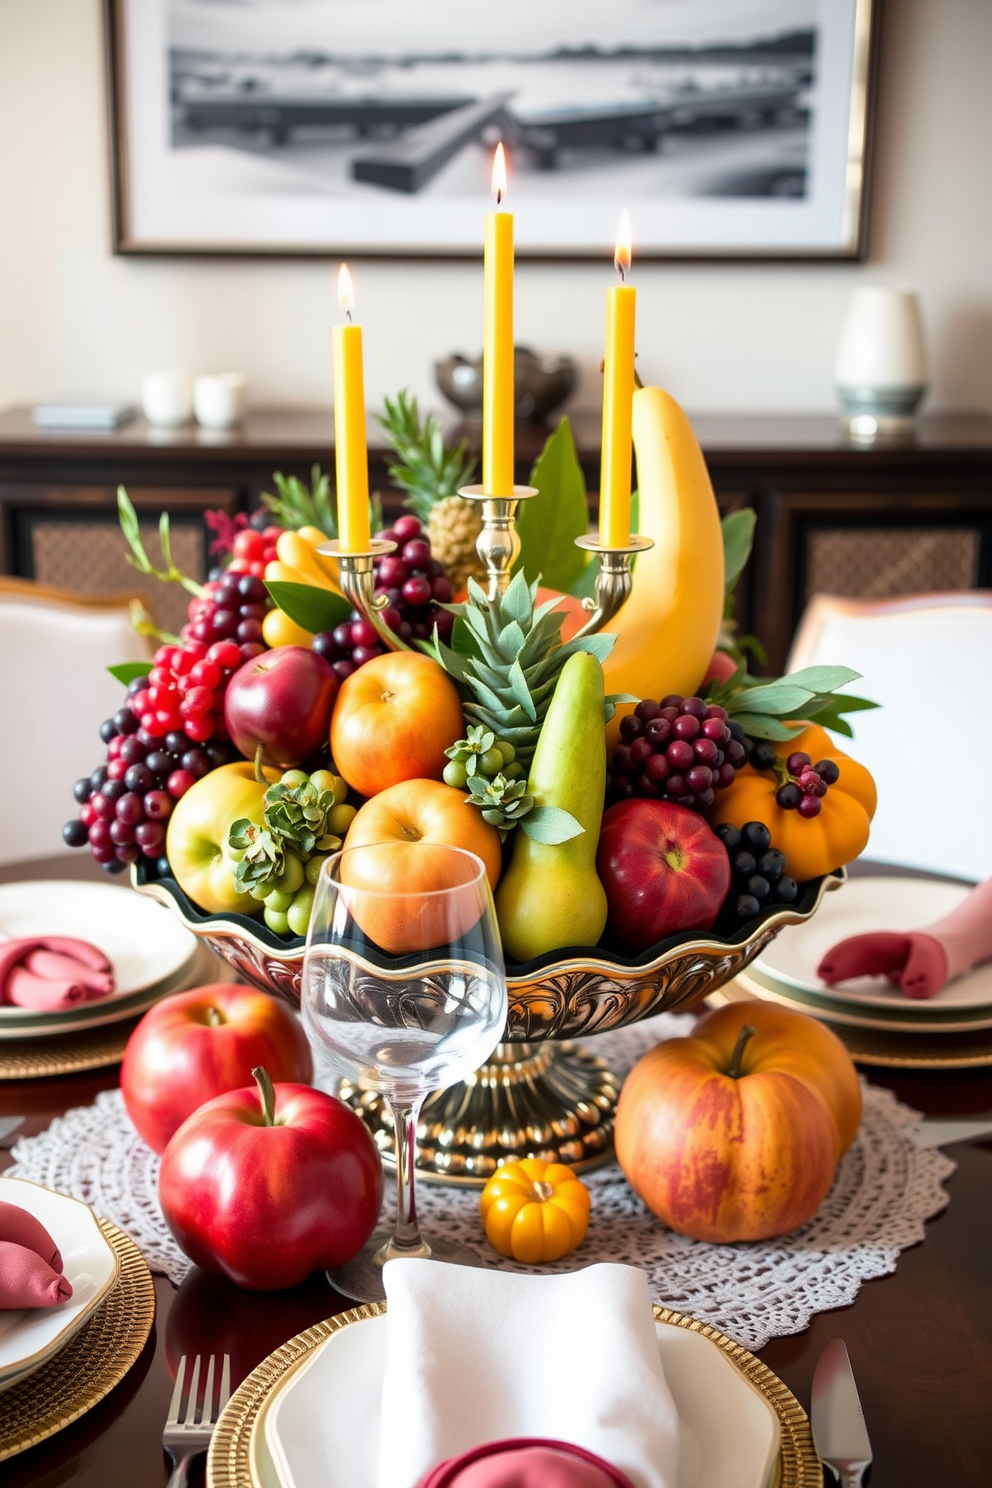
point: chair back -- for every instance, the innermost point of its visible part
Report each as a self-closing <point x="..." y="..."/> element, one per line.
<point x="927" y="659"/>
<point x="54" y="652"/>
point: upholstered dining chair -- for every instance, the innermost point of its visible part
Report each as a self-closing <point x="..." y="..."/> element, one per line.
<point x="927" y="659"/>
<point x="55" y="691"/>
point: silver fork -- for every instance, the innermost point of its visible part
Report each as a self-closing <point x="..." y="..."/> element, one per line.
<point x="188" y="1431"/>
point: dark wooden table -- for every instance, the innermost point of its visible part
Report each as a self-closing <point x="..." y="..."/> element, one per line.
<point x="920" y="1340"/>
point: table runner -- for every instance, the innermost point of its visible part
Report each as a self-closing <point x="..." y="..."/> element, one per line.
<point x="884" y="1191"/>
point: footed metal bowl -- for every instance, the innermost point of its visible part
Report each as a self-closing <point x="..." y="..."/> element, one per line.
<point x="541" y="383"/>
<point x="540" y="1095"/>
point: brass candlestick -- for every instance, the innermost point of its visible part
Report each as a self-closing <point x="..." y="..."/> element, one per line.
<point x="498" y="544"/>
<point x="614" y="580"/>
<point x="358" y="585"/>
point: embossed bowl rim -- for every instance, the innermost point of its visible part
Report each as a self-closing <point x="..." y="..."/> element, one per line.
<point x="587" y="959"/>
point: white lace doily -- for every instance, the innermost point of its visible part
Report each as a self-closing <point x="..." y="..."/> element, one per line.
<point x="885" y="1189"/>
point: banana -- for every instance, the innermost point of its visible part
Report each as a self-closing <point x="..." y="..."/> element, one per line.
<point x="667" y="630"/>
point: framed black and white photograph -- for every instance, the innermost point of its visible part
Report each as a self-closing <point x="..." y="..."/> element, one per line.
<point x="729" y="128"/>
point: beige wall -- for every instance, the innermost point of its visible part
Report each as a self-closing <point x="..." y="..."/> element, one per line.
<point x="76" y="321"/>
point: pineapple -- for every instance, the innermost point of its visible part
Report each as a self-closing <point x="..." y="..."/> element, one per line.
<point x="431" y="474"/>
<point x="508" y="677"/>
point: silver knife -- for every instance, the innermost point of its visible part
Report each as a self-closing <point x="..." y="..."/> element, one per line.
<point x="8" y="1125"/>
<point x="943" y="1133"/>
<point x="839" y="1433"/>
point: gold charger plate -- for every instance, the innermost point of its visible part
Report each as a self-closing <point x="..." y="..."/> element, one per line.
<point x="873" y="1046"/>
<point x="232" y="1456"/>
<point x="93" y="1361"/>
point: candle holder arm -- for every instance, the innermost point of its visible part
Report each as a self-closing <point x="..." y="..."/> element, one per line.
<point x="613" y="582"/>
<point x="357" y="577"/>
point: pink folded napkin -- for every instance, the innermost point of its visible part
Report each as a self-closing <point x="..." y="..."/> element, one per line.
<point x="30" y="1263"/>
<point x="526" y="1462"/>
<point x="21" y="1228"/>
<point x="28" y="1281"/>
<point x="52" y="972"/>
<point x="918" y="962"/>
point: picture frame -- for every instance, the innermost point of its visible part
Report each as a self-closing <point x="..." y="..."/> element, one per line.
<point x="731" y="129"/>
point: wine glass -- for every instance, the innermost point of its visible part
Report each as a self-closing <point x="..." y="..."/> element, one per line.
<point x="404" y="991"/>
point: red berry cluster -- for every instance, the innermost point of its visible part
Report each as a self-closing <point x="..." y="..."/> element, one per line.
<point x="805" y="791"/>
<point x="413" y="585"/>
<point x="681" y="749"/>
<point x="185" y="689"/>
<point x="253" y="550"/>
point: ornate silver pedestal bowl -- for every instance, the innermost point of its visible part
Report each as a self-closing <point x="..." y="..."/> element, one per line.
<point x="541" y="1094"/>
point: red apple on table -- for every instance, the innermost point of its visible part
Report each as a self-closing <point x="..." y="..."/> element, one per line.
<point x="282" y="702"/>
<point x="198" y="1044"/>
<point x="269" y="1184"/>
<point x="196" y="837"/>
<point x="663" y="870"/>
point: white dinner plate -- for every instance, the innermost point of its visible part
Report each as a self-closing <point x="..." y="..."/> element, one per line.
<point x="145" y="944"/>
<point x="320" y="1429"/>
<point x="863" y="905"/>
<point x="30" y="1337"/>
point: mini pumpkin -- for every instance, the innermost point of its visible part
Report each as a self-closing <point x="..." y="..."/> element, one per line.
<point x="812" y="845"/>
<point x="534" y="1210"/>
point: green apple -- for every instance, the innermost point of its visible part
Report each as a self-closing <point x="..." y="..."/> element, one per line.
<point x="196" y="837"/>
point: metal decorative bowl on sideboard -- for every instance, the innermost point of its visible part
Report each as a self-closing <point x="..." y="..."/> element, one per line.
<point x="540" y="1094"/>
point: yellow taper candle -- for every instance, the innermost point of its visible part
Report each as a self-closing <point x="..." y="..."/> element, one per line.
<point x="497" y="375"/>
<point x="350" y="452"/>
<point x="618" y="399"/>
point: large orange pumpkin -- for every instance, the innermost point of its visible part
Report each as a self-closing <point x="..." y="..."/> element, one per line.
<point x="393" y="720"/>
<point x="731" y="1136"/>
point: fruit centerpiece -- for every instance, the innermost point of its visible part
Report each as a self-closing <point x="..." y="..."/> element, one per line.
<point x="648" y="812"/>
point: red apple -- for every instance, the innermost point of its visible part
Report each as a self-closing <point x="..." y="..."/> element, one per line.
<point x="271" y="1184"/>
<point x="195" y="1045"/>
<point x="663" y="871"/>
<point x="282" y="700"/>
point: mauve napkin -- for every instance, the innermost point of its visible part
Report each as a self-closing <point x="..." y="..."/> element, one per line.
<point x="52" y="972"/>
<point x="30" y="1263"/>
<point x="526" y="1464"/>
<point x="476" y="1356"/>
<point x="918" y="962"/>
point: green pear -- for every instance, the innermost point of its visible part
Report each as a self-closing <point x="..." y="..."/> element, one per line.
<point x="550" y="895"/>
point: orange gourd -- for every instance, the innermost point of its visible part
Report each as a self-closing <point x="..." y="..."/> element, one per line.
<point x="534" y="1210"/>
<point x="727" y="1136"/>
<point x="814" y="845"/>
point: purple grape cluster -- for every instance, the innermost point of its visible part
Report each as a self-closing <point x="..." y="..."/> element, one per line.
<point x="679" y="749"/>
<point x="125" y="804"/>
<point x="413" y="585"/>
<point x="804" y="785"/>
<point x="231" y="608"/>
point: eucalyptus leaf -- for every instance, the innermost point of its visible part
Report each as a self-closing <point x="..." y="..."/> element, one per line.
<point x="738" y="535"/>
<point x="548" y="524"/>
<point x="777" y="697"/>
<point x="126" y="671"/>
<point x="760" y="726"/>
<point x="550" y="825"/>
<point x="822" y="678"/>
<point x="310" y="605"/>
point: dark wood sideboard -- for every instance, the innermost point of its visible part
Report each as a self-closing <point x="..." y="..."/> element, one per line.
<point x="895" y="517"/>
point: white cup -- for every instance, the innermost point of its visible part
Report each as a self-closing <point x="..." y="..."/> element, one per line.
<point x="220" y="399"/>
<point x="881" y="372"/>
<point x="167" y="397"/>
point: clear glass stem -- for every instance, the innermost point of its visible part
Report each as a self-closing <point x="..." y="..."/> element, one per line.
<point x="406" y="1240"/>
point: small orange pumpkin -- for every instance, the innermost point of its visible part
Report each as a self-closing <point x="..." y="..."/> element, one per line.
<point x="735" y="1133"/>
<point x="534" y="1210"/>
<point x="814" y="845"/>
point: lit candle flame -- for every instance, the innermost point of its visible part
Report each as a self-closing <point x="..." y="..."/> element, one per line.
<point x="621" y="255"/>
<point x="499" y="174"/>
<point x="346" y="291"/>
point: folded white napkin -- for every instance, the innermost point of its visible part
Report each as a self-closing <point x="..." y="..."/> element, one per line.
<point x="476" y="1355"/>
